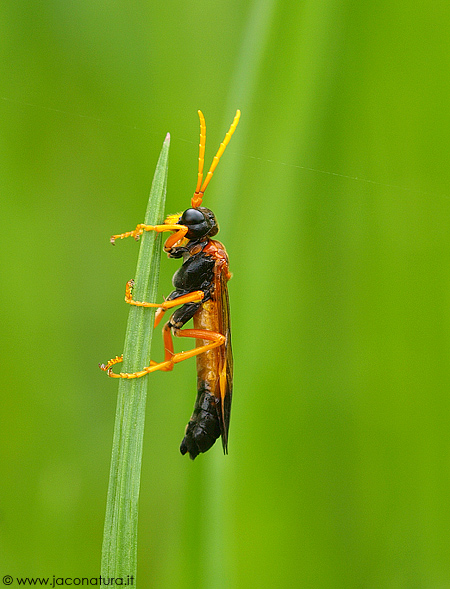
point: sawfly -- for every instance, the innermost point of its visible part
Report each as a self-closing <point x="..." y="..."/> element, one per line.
<point x="201" y="291"/>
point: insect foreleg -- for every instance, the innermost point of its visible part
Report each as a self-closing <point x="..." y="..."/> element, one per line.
<point x="180" y="232"/>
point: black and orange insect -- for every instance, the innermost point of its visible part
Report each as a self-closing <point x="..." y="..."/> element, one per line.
<point x="201" y="290"/>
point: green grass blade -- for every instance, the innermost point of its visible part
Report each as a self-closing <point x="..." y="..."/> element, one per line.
<point x="119" y="553"/>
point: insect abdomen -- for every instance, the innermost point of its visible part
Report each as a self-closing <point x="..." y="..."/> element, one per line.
<point x="203" y="428"/>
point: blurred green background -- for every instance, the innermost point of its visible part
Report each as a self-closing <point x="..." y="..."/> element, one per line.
<point x="334" y="204"/>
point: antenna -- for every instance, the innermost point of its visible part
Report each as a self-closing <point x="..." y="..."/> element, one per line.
<point x="200" y="189"/>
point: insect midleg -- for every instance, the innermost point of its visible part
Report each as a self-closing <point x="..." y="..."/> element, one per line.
<point x="170" y="358"/>
<point x="191" y="297"/>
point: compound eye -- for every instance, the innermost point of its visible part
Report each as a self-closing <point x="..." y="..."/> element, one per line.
<point x="191" y="217"/>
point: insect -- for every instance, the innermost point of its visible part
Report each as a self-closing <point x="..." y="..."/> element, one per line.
<point x="201" y="290"/>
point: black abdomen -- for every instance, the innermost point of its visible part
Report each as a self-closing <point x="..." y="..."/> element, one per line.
<point x="203" y="428"/>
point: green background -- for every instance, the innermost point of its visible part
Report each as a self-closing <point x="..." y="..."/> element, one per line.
<point x="334" y="204"/>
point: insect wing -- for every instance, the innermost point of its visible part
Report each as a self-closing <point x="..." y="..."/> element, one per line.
<point x="225" y="372"/>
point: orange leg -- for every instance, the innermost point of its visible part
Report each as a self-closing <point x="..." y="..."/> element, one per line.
<point x="192" y="297"/>
<point x="108" y="368"/>
<point x="216" y="339"/>
<point x="180" y="232"/>
<point x="158" y="316"/>
<point x="170" y="358"/>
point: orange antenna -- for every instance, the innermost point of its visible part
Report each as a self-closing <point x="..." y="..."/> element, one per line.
<point x="201" y="151"/>
<point x="200" y="189"/>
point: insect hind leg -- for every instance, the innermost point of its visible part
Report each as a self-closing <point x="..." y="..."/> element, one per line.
<point x="170" y="358"/>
